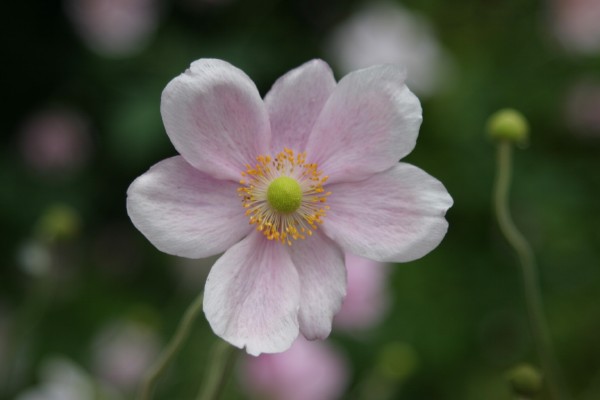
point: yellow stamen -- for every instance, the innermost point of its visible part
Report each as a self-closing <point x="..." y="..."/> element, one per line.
<point x="283" y="196"/>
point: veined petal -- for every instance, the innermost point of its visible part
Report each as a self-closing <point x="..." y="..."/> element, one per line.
<point x="396" y="215"/>
<point x="295" y="101"/>
<point x="252" y="295"/>
<point x="185" y="212"/>
<point x="370" y="121"/>
<point x="216" y="118"/>
<point x="320" y="265"/>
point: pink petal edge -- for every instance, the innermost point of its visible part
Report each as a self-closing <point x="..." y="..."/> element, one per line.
<point x="396" y="215"/>
<point x="216" y="118"/>
<point x="185" y="212"/>
<point x="252" y="296"/>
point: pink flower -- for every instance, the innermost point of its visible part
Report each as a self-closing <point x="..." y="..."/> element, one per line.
<point x="386" y="33"/>
<point x="283" y="186"/>
<point x="122" y="352"/>
<point x="366" y="296"/>
<point x="56" y="141"/>
<point x="308" y="370"/>
<point x="114" y="27"/>
<point x="575" y="23"/>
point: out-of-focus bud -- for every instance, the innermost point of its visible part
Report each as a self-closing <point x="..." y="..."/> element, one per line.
<point x="367" y="296"/>
<point x="397" y="361"/>
<point x="308" y="370"/>
<point x="510" y="125"/>
<point x="525" y="380"/>
<point x="58" y="222"/>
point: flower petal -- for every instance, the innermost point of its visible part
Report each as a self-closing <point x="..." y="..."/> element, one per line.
<point x="185" y="212"/>
<point x="252" y="294"/>
<point x="370" y="121"/>
<point x="295" y="101"/>
<point x="215" y="118"/>
<point x="320" y="265"/>
<point x="396" y="215"/>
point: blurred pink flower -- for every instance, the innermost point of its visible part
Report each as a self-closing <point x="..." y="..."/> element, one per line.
<point x="576" y="24"/>
<point x="55" y="141"/>
<point x="122" y="352"/>
<point x="114" y="27"/>
<point x="308" y="370"/>
<point x="386" y="33"/>
<point x="314" y="152"/>
<point x="367" y="296"/>
<point x="583" y="108"/>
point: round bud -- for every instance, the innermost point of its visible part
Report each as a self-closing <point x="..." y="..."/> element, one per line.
<point x="397" y="361"/>
<point x="59" y="221"/>
<point x="508" y="124"/>
<point x="525" y="380"/>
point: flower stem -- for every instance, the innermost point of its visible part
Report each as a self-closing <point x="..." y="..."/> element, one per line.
<point x="223" y="359"/>
<point x="531" y="288"/>
<point x="166" y="357"/>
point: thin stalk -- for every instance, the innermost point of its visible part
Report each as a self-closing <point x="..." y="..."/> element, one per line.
<point x="221" y="364"/>
<point x="166" y="357"/>
<point x="533" y="297"/>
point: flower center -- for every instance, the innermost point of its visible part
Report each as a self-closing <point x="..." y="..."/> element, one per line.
<point x="283" y="196"/>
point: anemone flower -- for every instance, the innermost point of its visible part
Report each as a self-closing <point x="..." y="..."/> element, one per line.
<point x="283" y="187"/>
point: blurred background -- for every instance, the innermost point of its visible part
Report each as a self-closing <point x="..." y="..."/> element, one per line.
<point x="86" y="303"/>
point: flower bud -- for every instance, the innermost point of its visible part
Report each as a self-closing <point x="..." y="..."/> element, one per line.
<point x="525" y="380"/>
<point x="508" y="124"/>
<point x="397" y="361"/>
<point x="59" y="221"/>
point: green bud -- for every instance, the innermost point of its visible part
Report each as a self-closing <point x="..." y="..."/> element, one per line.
<point x="397" y="361"/>
<point x="525" y="380"/>
<point x="59" y="221"/>
<point x="508" y="124"/>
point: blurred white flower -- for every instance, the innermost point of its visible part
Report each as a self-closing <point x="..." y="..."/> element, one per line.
<point x="122" y="352"/>
<point x="367" y="297"/>
<point x="55" y="140"/>
<point x="61" y="379"/>
<point x="576" y="23"/>
<point x="389" y="34"/>
<point x="114" y="27"/>
<point x="308" y="370"/>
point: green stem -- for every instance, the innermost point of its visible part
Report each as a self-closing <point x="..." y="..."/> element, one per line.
<point x="533" y="296"/>
<point x="223" y="359"/>
<point x="166" y="357"/>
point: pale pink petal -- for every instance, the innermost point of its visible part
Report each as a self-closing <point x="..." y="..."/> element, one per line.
<point x="320" y="265"/>
<point x="367" y="296"/>
<point x="185" y="212"/>
<point x="252" y="296"/>
<point x="307" y="371"/>
<point x="370" y="122"/>
<point x="295" y="101"/>
<point x="396" y="215"/>
<point x="216" y="118"/>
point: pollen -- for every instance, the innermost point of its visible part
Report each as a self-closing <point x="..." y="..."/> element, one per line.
<point x="284" y="196"/>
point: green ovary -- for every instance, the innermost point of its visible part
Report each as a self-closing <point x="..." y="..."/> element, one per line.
<point x="284" y="194"/>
